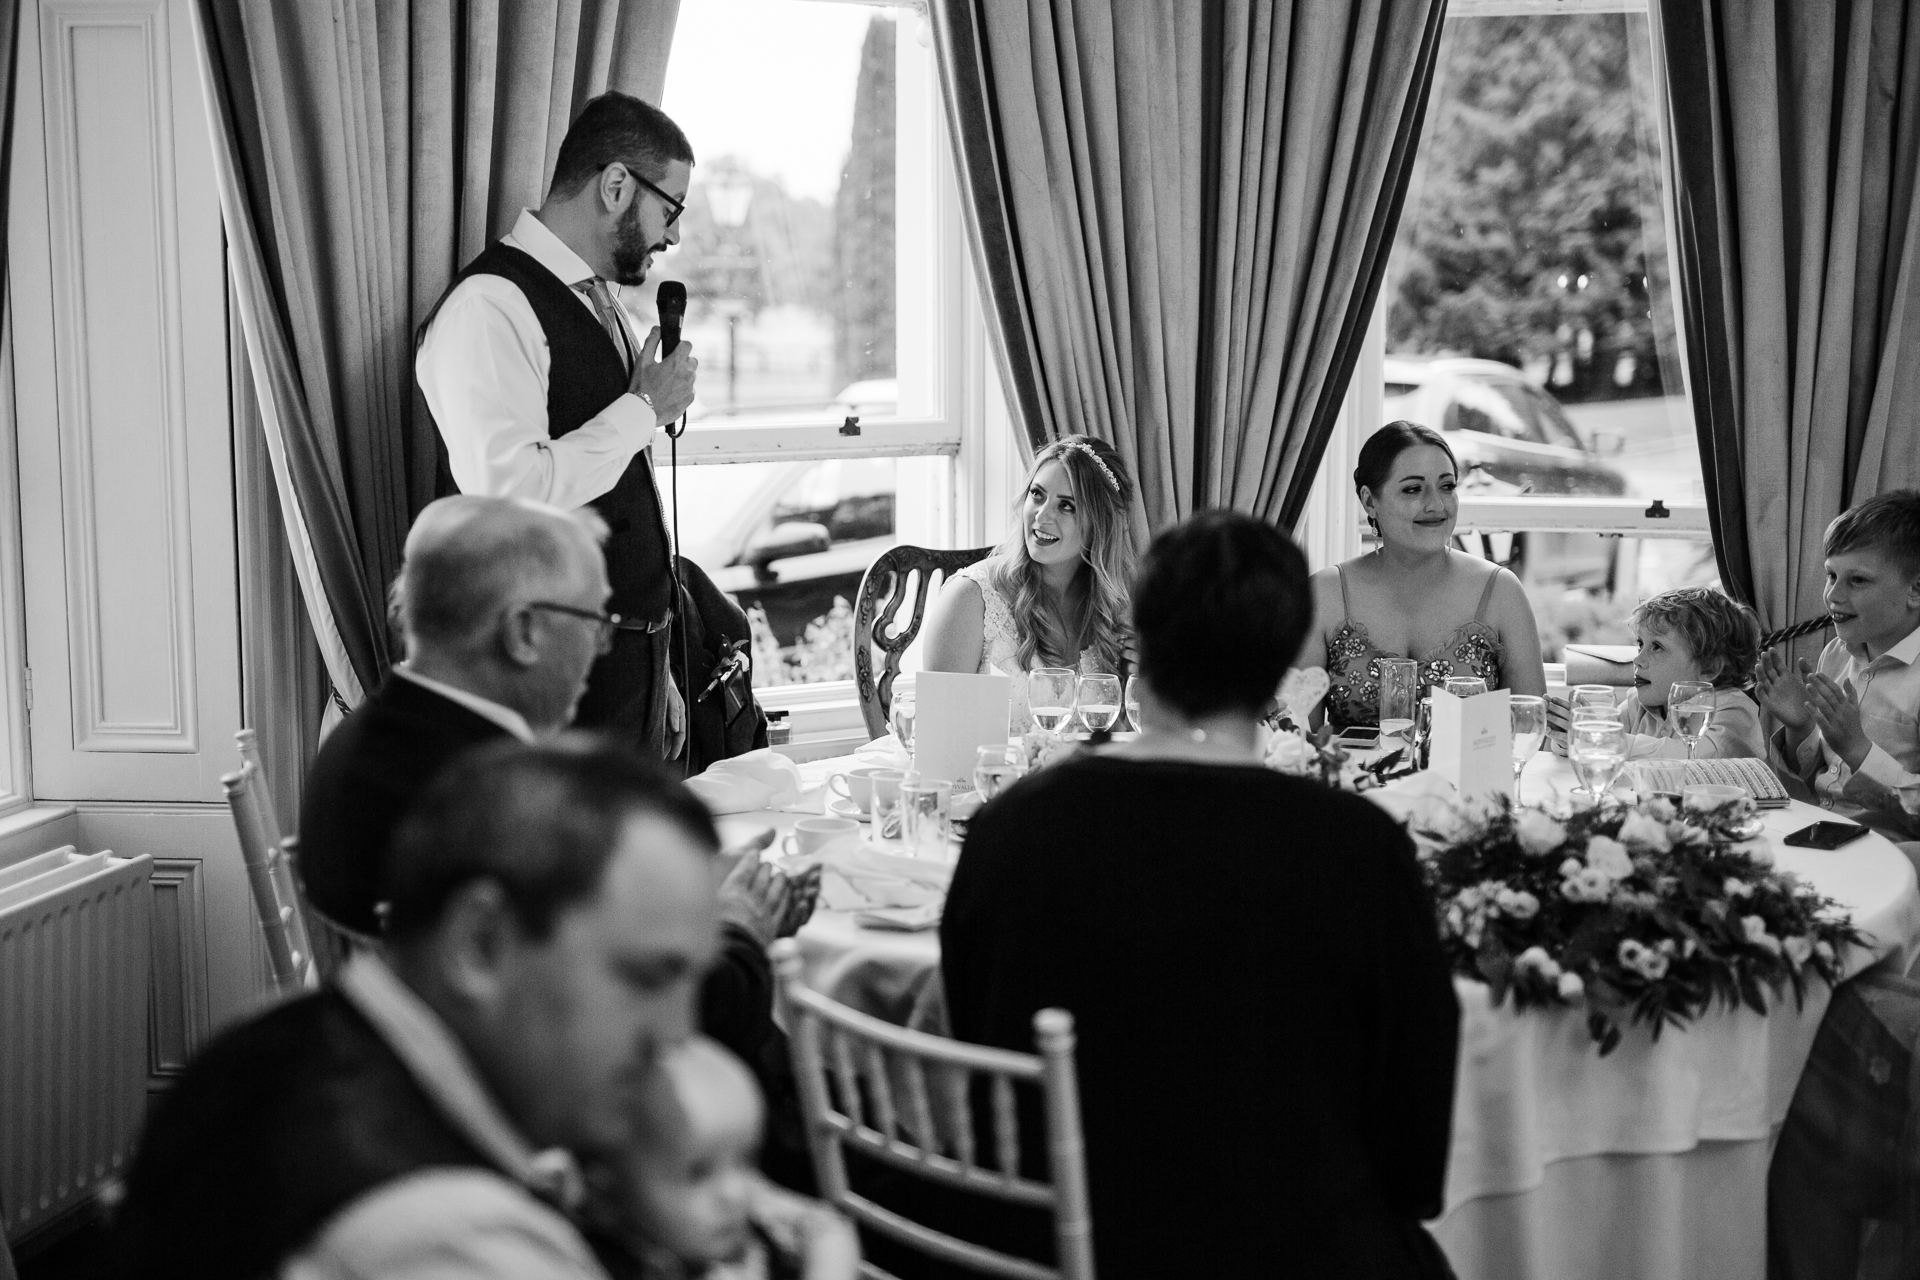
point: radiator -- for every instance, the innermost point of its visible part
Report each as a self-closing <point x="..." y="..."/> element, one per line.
<point x="74" y="961"/>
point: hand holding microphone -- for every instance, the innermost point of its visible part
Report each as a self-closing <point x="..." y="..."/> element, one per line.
<point x="668" y="380"/>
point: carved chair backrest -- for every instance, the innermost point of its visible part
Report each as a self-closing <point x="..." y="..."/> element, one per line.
<point x="900" y="576"/>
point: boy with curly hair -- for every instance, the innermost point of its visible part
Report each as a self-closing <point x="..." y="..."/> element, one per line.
<point x="1694" y="633"/>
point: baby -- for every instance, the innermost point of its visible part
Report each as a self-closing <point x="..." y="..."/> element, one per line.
<point x="1694" y="633"/>
<point x="688" y="1201"/>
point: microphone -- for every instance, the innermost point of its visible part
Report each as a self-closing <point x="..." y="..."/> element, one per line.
<point x="670" y="302"/>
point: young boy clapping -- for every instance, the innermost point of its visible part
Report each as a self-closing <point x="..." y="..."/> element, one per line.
<point x="1848" y="723"/>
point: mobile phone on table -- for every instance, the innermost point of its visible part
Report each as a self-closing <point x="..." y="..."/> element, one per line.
<point x="1825" y="835"/>
<point x="1359" y="735"/>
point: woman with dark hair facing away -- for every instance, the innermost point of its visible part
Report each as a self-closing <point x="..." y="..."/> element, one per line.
<point x="1054" y="593"/>
<point x="1413" y="595"/>
<point x="1266" y="1026"/>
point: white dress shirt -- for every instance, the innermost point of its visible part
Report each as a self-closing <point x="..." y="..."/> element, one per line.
<point x="483" y="370"/>
<point x="1887" y="691"/>
<point x="506" y="717"/>
<point x="502" y="1223"/>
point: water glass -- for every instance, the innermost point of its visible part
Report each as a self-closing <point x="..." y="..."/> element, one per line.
<point x="996" y="766"/>
<point x="1598" y="751"/>
<point x="1050" y="696"/>
<point x="1133" y="703"/>
<point x="900" y="714"/>
<point x="1399" y="687"/>
<point x="1667" y="778"/>
<point x="1529" y="717"/>
<point x="1690" y="708"/>
<point x="924" y="804"/>
<point x="1098" y="699"/>
<point x="1465" y="686"/>
<point x="1592" y="698"/>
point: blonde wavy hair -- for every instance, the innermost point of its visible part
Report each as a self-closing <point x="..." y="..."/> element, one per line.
<point x="1104" y="491"/>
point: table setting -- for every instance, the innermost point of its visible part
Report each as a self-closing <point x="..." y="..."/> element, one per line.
<point x="1567" y="1122"/>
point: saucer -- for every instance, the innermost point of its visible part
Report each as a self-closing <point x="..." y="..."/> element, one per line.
<point x="1747" y="830"/>
<point x="841" y="808"/>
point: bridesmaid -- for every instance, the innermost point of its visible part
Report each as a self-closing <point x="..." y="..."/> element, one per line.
<point x="1414" y="595"/>
<point x="1054" y="594"/>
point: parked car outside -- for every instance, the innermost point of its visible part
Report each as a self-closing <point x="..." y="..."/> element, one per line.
<point x="1512" y="437"/>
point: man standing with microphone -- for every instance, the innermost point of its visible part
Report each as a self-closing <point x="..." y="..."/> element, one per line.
<point x="539" y="389"/>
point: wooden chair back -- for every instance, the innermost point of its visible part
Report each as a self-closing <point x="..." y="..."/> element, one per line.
<point x="904" y="1099"/>
<point x="900" y="576"/>
<point x="289" y="955"/>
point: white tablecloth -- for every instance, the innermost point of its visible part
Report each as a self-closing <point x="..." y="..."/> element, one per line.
<point x="1650" y="1162"/>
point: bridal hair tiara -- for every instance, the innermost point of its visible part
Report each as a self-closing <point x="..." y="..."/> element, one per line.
<point x="1082" y="447"/>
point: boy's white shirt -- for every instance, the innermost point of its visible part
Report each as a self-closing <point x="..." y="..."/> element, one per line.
<point x="1887" y="691"/>
<point x="1732" y="733"/>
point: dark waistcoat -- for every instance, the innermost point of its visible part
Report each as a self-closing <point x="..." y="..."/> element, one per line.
<point x="277" y="1126"/>
<point x="585" y="374"/>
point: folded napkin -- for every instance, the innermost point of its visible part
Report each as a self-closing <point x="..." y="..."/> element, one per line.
<point x="859" y="877"/>
<point x="763" y="779"/>
<point x="885" y="753"/>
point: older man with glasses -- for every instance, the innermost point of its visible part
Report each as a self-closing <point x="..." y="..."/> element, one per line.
<point x="503" y="603"/>
<point x="540" y="389"/>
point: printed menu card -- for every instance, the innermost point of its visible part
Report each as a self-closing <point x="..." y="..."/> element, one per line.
<point x="1472" y="743"/>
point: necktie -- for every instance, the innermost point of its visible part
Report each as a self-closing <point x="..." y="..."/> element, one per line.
<point x="603" y="305"/>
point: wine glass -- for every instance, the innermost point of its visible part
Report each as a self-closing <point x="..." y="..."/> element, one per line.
<point x="1597" y="750"/>
<point x="1465" y="686"/>
<point x="900" y="715"/>
<point x="1690" y="708"/>
<point x="1099" y="701"/>
<point x="1133" y="703"/>
<point x="1595" y="696"/>
<point x="1399" y="681"/>
<point x="1529" y="716"/>
<point x="1050" y="696"/>
<point x="994" y="767"/>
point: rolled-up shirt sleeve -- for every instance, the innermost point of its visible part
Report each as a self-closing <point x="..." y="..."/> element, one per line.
<point x="483" y="371"/>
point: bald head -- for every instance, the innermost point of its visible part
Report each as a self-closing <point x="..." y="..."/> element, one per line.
<point x="469" y="557"/>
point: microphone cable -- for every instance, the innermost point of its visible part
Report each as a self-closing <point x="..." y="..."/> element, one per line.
<point x="674" y="432"/>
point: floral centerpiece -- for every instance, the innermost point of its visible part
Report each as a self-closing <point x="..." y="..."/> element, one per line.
<point x="1638" y="912"/>
<point x="1295" y="749"/>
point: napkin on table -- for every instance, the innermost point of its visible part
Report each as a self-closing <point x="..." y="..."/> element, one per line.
<point x="859" y="877"/>
<point x="763" y="779"/>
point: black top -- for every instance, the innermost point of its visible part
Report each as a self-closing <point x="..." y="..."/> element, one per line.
<point x="585" y="374"/>
<point x="275" y="1127"/>
<point x="368" y="771"/>
<point x="1266" y="1025"/>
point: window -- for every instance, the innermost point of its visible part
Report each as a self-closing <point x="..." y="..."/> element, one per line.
<point x="828" y="306"/>
<point x="1529" y="312"/>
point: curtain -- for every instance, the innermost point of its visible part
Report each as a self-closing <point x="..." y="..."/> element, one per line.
<point x="366" y="150"/>
<point x="1182" y="213"/>
<point x="1796" y="131"/>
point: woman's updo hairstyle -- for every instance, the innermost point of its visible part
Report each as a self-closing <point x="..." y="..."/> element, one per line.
<point x="1388" y="443"/>
<point x="1220" y="609"/>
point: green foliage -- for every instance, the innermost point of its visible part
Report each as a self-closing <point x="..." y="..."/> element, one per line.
<point x="1538" y="167"/>
<point x="863" y="230"/>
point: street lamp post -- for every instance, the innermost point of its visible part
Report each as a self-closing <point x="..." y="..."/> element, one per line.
<point x="729" y="197"/>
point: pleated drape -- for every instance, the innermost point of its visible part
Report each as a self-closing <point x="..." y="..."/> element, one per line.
<point x="1796" y="134"/>
<point x="1182" y="214"/>
<point x="371" y="148"/>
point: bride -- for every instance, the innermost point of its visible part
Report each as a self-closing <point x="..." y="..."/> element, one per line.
<point x="1054" y="594"/>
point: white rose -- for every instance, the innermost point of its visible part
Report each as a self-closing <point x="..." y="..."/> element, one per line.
<point x="1761" y="851"/>
<point x="1797" y="949"/>
<point x="1756" y="930"/>
<point x="1519" y="904"/>
<point x="1653" y="966"/>
<point x="1533" y="958"/>
<point x="1538" y="833"/>
<point x="1290" y="753"/>
<point x="1571" y="987"/>
<point x="1630" y="953"/>
<point x="1646" y="832"/>
<point x="1610" y="856"/>
<point x="1571" y="867"/>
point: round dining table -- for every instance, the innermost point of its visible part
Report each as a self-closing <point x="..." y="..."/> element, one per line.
<point x="1649" y="1162"/>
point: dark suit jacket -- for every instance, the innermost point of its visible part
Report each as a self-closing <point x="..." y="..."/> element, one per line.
<point x="383" y="755"/>
<point x="1265" y="1021"/>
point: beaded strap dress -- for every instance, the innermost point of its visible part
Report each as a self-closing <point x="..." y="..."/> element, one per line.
<point x="1000" y="645"/>
<point x="1353" y="660"/>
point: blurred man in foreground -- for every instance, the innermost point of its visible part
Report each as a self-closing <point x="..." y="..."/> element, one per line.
<point x="552" y="911"/>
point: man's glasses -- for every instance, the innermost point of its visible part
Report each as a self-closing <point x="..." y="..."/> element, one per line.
<point x="605" y="624"/>
<point x="674" y="207"/>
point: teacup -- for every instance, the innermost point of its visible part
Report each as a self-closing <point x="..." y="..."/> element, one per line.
<point x="1705" y="797"/>
<point x="810" y="835"/>
<point x="855" y="786"/>
<point x="886" y="802"/>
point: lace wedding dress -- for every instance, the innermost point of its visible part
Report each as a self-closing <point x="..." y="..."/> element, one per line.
<point x="1000" y="645"/>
